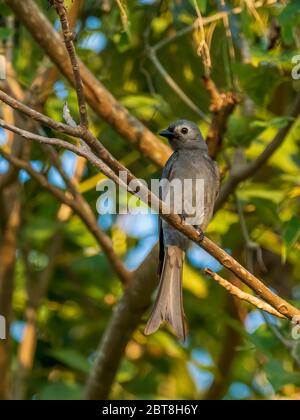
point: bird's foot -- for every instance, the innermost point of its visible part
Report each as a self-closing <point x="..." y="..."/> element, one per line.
<point x="182" y="218"/>
<point x="201" y="233"/>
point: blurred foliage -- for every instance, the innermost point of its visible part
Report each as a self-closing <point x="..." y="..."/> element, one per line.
<point x="84" y="289"/>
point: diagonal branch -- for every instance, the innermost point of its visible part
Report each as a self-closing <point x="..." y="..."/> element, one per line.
<point x="37" y="116"/>
<point x="173" y="219"/>
<point x="149" y="198"/>
<point x="97" y="96"/>
<point x="241" y="173"/>
<point x="68" y="38"/>
<point x="174" y="86"/>
<point x="235" y="291"/>
<point x="80" y="207"/>
<point x="115" y="167"/>
<point x="125" y="319"/>
<point x="207" y="20"/>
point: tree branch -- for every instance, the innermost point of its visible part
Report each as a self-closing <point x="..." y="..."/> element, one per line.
<point x="126" y="317"/>
<point x="68" y="38"/>
<point x="80" y="207"/>
<point x="173" y="219"/>
<point x="174" y="86"/>
<point x="206" y="21"/>
<point x="8" y="251"/>
<point x="98" y="97"/>
<point x="222" y="106"/>
<point x="115" y="167"/>
<point x="235" y="291"/>
<point x="243" y="172"/>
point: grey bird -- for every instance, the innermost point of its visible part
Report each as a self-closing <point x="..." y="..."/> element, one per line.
<point x="190" y="160"/>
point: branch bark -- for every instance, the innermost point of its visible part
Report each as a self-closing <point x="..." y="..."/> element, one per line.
<point x="80" y="207"/>
<point x="222" y="106"/>
<point x="8" y="252"/>
<point x="242" y="172"/>
<point x="282" y="306"/>
<point x="235" y="291"/>
<point x="98" y="97"/>
<point x="149" y="198"/>
<point x="68" y="38"/>
<point x="125" y="319"/>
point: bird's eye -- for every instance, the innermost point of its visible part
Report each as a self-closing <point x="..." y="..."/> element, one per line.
<point x="184" y="130"/>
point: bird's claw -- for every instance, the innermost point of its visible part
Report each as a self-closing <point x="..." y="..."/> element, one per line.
<point x="182" y="218"/>
<point x="201" y="233"/>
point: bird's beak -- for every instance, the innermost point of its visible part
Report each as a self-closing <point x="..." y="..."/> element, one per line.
<point x="166" y="133"/>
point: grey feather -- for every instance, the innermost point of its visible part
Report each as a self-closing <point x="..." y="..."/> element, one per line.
<point x="168" y="305"/>
<point x="190" y="160"/>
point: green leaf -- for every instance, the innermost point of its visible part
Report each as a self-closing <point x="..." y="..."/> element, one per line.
<point x="39" y="230"/>
<point x="279" y="377"/>
<point x="241" y="130"/>
<point x="278" y="122"/>
<point x="202" y="4"/>
<point x="288" y="20"/>
<point x="290" y="236"/>
<point x="61" y="391"/>
<point x="72" y="359"/>
<point x="5" y="32"/>
<point x="126" y="371"/>
<point x="79" y="234"/>
<point x="122" y="41"/>
<point x="145" y="106"/>
<point x="259" y="81"/>
<point x="263" y="340"/>
<point x="194" y="282"/>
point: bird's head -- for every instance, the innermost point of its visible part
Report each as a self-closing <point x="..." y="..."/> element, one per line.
<point x="184" y="134"/>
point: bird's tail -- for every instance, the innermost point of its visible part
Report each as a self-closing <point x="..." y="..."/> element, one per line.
<point x="168" y="304"/>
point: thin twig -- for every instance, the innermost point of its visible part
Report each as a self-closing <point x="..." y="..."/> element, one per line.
<point x="251" y="246"/>
<point x="80" y="207"/>
<point x="290" y="345"/>
<point x="203" y="49"/>
<point x="173" y="219"/>
<point x="235" y="291"/>
<point x="123" y="13"/>
<point x="37" y="116"/>
<point x="246" y="171"/>
<point x="174" y="86"/>
<point x="207" y="20"/>
<point x="68" y="38"/>
<point x="225" y="259"/>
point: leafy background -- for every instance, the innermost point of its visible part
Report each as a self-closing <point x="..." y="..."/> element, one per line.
<point x="231" y="351"/>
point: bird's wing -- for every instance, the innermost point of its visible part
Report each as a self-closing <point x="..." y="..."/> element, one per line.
<point x="218" y="179"/>
<point x="166" y="174"/>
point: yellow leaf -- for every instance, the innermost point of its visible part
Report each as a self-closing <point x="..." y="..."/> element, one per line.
<point x="194" y="282"/>
<point x="90" y="183"/>
<point x="295" y="192"/>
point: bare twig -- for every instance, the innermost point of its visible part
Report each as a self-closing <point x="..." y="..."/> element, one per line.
<point x="207" y="20"/>
<point x="235" y="291"/>
<point x="224" y="258"/>
<point x="68" y="38"/>
<point x="203" y="49"/>
<point x="123" y="13"/>
<point x="41" y="118"/>
<point x="80" y="207"/>
<point x="222" y="106"/>
<point x="8" y="251"/>
<point x="174" y="86"/>
<point x="98" y="97"/>
<point x="246" y="171"/>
